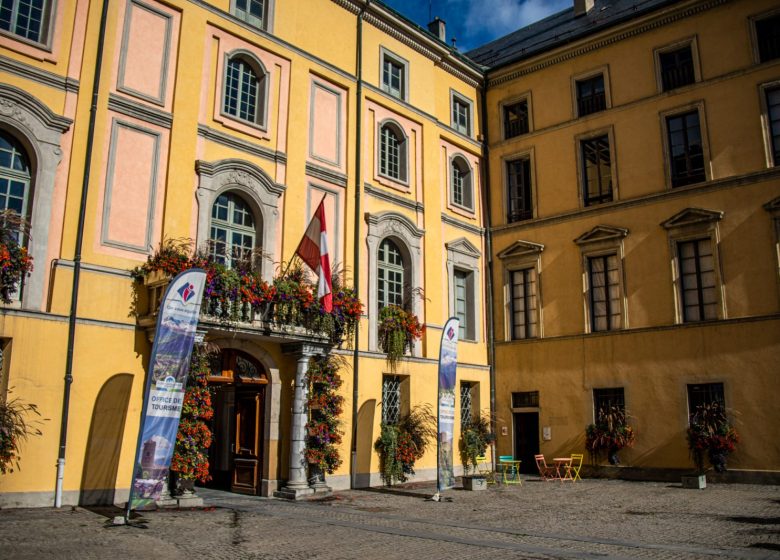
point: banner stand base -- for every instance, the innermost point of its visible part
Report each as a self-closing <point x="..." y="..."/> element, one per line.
<point x="437" y="497"/>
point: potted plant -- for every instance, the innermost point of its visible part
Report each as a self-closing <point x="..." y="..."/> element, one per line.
<point x="400" y="445"/>
<point x="15" y="262"/>
<point x="398" y="329"/>
<point x="710" y="433"/>
<point x="15" y="428"/>
<point x="609" y="434"/>
<point x="475" y="437"/>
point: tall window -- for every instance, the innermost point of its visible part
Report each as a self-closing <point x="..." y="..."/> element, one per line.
<point x="773" y="114"/>
<point x="233" y="231"/>
<point x="244" y="91"/>
<point x="518" y="174"/>
<point x="703" y="394"/>
<point x="596" y="170"/>
<point x="698" y="289"/>
<point x="391" y="399"/>
<point x="524" y="306"/>
<point x="392" y="152"/>
<point x="14" y="176"/>
<point x="604" y="399"/>
<point x="463" y="285"/>
<point x="677" y="68"/>
<point x="461" y="115"/>
<point x="768" y="36"/>
<point x="591" y="95"/>
<point x="254" y="12"/>
<point x="462" y="194"/>
<point x="516" y="119"/>
<point x="466" y="402"/>
<point x="390" y="275"/>
<point x="604" y="296"/>
<point x="686" y="151"/>
<point x="25" y="18"/>
<point x="394" y="78"/>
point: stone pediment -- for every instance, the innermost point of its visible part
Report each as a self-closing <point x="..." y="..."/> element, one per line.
<point x="521" y="249"/>
<point x="692" y="216"/>
<point x="464" y="247"/>
<point x="601" y="233"/>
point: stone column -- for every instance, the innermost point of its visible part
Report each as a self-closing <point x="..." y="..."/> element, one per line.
<point x="297" y="481"/>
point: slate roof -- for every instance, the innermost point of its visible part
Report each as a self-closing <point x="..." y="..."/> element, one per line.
<point x="559" y="29"/>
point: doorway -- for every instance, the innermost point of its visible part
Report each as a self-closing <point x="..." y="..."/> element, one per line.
<point x="238" y="384"/>
<point x="526" y="425"/>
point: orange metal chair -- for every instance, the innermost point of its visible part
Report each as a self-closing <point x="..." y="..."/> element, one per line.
<point x="575" y="466"/>
<point x="547" y="473"/>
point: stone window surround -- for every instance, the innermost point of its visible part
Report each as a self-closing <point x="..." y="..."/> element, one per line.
<point x="263" y="78"/>
<point x="754" y="36"/>
<point x="527" y="154"/>
<point x="691" y="42"/>
<point x="40" y="132"/>
<point x="773" y="208"/>
<point x="408" y="237"/>
<point x="269" y="15"/>
<point x="403" y="181"/>
<point x="464" y="256"/>
<point x="258" y="190"/>
<point x="468" y="183"/>
<point x="604" y="71"/>
<point x="520" y="255"/>
<point x="470" y="104"/>
<point x="610" y="133"/>
<point x="765" y="128"/>
<point x="385" y="53"/>
<point x="705" y="144"/>
<point x="525" y="96"/>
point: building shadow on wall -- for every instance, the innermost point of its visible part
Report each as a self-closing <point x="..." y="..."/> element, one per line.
<point x="101" y="460"/>
<point x="365" y="443"/>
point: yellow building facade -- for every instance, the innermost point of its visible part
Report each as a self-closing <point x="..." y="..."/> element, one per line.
<point x="634" y="190"/>
<point x="188" y="119"/>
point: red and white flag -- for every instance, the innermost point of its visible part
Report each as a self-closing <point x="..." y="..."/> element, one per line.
<point x="313" y="250"/>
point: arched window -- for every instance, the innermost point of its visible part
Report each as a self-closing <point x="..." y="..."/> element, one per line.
<point x="462" y="191"/>
<point x="14" y="176"/>
<point x="233" y="233"/>
<point x="390" y="275"/>
<point x="392" y="152"/>
<point x="26" y="18"/>
<point x="245" y="90"/>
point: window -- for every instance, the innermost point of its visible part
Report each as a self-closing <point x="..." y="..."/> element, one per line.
<point x="390" y="275"/>
<point x="254" y="12"/>
<point x="604" y="293"/>
<point x="596" y="170"/>
<point x="768" y="38"/>
<point x="391" y="399"/>
<point x="25" y="18"/>
<point x="605" y="399"/>
<point x="591" y="95"/>
<point x="466" y="401"/>
<point x="516" y="119"/>
<point x="698" y="287"/>
<point x="463" y="285"/>
<point x="773" y="123"/>
<point x="461" y="114"/>
<point x="394" y="75"/>
<point x="704" y="394"/>
<point x="233" y="234"/>
<point x="525" y="399"/>
<point x="392" y="152"/>
<point x="462" y="192"/>
<point x="518" y="173"/>
<point x="245" y="90"/>
<point x="463" y="264"/>
<point x="523" y="304"/>
<point x="686" y="153"/>
<point x="14" y="176"/>
<point x="677" y="68"/>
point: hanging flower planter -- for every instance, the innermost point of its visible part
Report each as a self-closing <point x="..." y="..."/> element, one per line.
<point x="609" y="434"/>
<point x="711" y="433"/>
<point x="398" y="329"/>
<point x="15" y="262"/>
<point x="323" y="430"/>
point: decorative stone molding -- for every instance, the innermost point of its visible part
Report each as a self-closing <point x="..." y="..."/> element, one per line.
<point x="602" y="233"/>
<point x="464" y="256"/>
<point x="692" y="217"/>
<point x="521" y="249"/>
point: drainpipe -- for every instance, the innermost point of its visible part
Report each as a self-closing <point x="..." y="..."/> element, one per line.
<point x="357" y="239"/>
<point x="486" y="219"/>
<point x="74" y="297"/>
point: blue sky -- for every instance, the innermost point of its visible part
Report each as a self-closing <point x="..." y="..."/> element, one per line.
<point x="476" y="22"/>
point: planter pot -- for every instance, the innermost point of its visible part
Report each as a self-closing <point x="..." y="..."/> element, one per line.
<point x="613" y="456"/>
<point x="474" y="482"/>
<point x="695" y="481"/>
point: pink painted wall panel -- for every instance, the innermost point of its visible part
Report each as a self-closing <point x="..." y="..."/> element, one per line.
<point x="325" y="126"/>
<point x="145" y="51"/>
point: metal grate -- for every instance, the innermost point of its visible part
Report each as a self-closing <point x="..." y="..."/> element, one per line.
<point x="391" y="399"/>
<point x="466" y="411"/>
<point x="525" y="399"/>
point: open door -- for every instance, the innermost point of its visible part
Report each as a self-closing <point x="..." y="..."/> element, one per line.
<point x="248" y="443"/>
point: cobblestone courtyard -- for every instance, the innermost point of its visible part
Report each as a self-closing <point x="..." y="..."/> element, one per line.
<point x="593" y="519"/>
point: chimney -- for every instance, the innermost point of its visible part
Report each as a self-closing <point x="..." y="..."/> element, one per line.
<point x="437" y="27"/>
<point x="582" y="7"/>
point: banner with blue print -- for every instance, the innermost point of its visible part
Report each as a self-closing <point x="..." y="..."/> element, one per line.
<point x="448" y="363"/>
<point x="166" y="382"/>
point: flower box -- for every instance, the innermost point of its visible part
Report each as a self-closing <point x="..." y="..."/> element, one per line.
<point x="695" y="481"/>
<point x="474" y="482"/>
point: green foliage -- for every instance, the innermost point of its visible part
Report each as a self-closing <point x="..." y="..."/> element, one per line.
<point x="710" y="431"/>
<point x="475" y="437"/>
<point x="325" y="410"/>
<point x="400" y="445"/>
<point x="398" y="329"/>
<point x="610" y="433"/>
<point x="15" y="427"/>
<point x="15" y="262"/>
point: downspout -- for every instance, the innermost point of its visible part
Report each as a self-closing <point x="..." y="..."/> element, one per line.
<point x="356" y="254"/>
<point x="486" y="219"/>
<point x="74" y="298"/>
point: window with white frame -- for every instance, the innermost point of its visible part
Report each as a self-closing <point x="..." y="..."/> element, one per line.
<point x="463" y="283"/>
<point x="463" y="262"/>
<point x="395" y="72"/>
<point x="772" y="100"/>
<point x="245" y="90"/>
<point x="596" y="159"/>
<point x="390" y="275"/>
<point x="254" y="12"/>
<point x="685" y="148"/>
<point x="461" y="114"/>
<point x="14" y="176"/>
<point x="519" y="190"/>
<point x="28" y="19"/>
<point x="462" y="189"/>
<point x="233" y="232"/>
<point x="392" y="152"/>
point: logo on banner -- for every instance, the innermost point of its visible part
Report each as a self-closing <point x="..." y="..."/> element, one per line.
<point x="450" y="333"/>
<point x="187" y="292"/>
